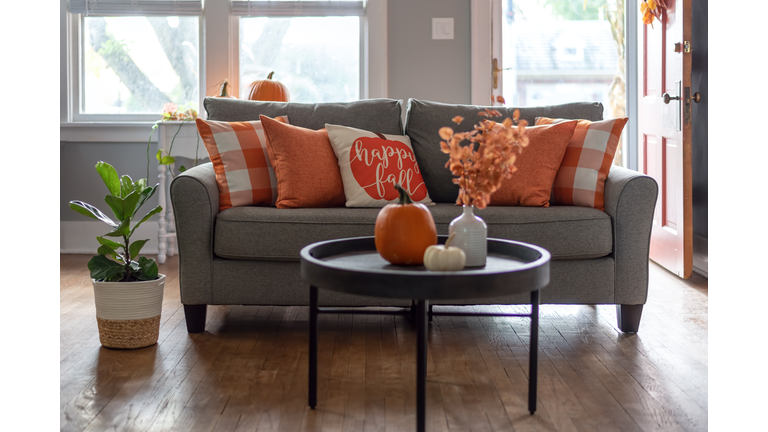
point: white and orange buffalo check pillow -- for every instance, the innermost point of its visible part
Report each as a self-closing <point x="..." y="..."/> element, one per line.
<point x="238" y="151"/>
<point x="580" y="180"/>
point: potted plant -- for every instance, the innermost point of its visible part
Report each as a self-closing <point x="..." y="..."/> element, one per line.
<point x="127" y="287"/>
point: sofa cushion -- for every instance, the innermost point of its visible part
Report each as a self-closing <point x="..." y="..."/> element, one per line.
<point x="268" y="233"/>
<point x="424" y="119"/>
<point x="375" y="115"/>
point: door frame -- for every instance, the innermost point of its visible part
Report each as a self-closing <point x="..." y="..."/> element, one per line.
<point x="481" y="45"/>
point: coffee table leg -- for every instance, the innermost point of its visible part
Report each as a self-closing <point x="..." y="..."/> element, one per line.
<point x="533" y="357"/>
<point x="421" y="364"/>
<point x="312" y="347"/>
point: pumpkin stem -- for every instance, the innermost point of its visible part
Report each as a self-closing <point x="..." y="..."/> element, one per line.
<point x="450" y="237"/>
<point x="404" y="198"/>
<point x="224" y="91"/>
<point x="269" y="77"/>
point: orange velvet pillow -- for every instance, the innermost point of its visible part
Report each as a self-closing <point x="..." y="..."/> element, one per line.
<point x="306" y="168"/>
<point x="537" y="165"/>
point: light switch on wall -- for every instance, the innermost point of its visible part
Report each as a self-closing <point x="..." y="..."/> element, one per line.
<point x="442" y="28"/>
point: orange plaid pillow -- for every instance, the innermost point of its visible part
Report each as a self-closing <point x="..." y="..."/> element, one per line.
<point x="238" y="151"/>
<point x="580" y="181"/>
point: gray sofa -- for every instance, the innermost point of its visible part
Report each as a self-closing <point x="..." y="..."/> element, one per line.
<point x="250" y="255"/>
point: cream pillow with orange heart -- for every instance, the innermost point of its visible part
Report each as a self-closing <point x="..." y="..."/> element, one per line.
<point x="371" y="163"/>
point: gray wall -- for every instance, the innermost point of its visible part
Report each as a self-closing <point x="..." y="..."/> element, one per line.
<point x="422" y="68"/>
<point x="80" y="181"/>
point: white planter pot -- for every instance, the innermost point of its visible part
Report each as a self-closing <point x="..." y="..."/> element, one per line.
<point x="128" y="313"/>
<point x="471" y="235"/>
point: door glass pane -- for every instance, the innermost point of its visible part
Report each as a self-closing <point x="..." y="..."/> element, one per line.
<point x="135" y="65"/>
<point x="559" y="51"/>
<point x="317" y="58"/>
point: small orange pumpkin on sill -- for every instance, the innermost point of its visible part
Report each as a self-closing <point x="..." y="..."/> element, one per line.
<point x="267" y="90"/>
<point x="404" y="230"/>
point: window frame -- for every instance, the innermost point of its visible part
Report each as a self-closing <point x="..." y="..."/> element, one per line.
<point x="76" y="65"/>
<point x="219" y="33"/>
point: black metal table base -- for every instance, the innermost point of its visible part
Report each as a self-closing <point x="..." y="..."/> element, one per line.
<point x="421" y="312"/>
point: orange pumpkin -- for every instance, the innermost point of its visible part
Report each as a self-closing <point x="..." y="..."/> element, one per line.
<point x="267" y="90"/>
<point x="224" y="91"/>
<point x="404" y="230"/>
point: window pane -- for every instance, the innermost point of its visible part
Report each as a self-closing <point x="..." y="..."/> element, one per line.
<point x="135" y="65"/>
<point x="317" y="58"/>
<point x="560" y="51"/>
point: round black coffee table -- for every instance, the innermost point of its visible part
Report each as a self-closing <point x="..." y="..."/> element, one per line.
<point x="353" y="266"/>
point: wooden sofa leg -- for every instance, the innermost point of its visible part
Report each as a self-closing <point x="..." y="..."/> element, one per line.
<point x="628" y="317"/>
<point x="195" y="317"/>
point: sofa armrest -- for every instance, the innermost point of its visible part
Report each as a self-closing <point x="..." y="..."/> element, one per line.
<point x="630" y="200"/>
<point x="195" y="200"/>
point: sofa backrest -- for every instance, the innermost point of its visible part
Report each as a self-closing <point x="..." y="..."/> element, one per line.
<point x="424" y="120"/>
<point x="375" y="115"/>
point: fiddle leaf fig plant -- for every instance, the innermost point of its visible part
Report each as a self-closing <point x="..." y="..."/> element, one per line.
<point x="118" y="260"/>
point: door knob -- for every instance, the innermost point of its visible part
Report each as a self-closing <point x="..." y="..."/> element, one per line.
<point x="668" y="98"/>
<point x="696" y="97"/>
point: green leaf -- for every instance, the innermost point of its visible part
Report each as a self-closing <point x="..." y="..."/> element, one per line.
<point x="91" y="211"/>
<point x="145" y="194"/>
<point x="135" y="247"/>
<point x="104" y="269"/>
<point x="182" y="169"/>
<point x="126" y="185"/>
<point x="106" y="250"/>
<point x="147" y="269"/>
<point x="146" y="218"/>
<point x="116" y="204"/>
<point x="107" y="242"/>
<point x="110" y="177"/>
<point x="130" y="204"/>
<point x="159" y="155"/>
<point x="167" y="160"/>
<point x="122" y="230"/>
<point x="123" y="207"/>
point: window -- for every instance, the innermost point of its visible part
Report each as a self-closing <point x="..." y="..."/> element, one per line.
<point x="559" y="51"/>
<point x="135" y="57"/>
<point x="317" y="58"/>
<point x="312" y="46"/>
<point x="129" y="58"/>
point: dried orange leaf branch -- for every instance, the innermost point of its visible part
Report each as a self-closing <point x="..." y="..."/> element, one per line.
<point x="487" y="159"/>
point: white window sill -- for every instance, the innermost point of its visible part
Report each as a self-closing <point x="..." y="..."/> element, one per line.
<point x="107" y="132"/>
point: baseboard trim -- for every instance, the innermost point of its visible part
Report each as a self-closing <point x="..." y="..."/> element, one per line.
<point x="700" y="255"/>
<point x="79" y="237"/>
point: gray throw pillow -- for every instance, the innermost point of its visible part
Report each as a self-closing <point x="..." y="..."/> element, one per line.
<point x="375" y="115"/>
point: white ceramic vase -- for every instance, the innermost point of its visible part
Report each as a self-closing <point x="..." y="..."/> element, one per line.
<point x="471" y="236"/>
<point x="128" y="313"/>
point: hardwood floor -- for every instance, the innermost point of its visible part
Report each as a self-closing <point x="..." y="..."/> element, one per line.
<point x="248" y="371"/>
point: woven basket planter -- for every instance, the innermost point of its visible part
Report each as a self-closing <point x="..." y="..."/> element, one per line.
<point x="128" y="313"/>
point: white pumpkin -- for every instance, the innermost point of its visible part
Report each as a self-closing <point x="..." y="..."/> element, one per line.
<point x="444" y="257"/>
